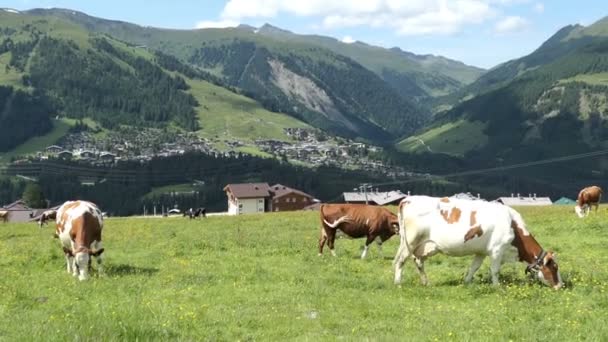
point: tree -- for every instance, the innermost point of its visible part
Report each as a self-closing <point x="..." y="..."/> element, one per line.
<point x="33" y="197"/>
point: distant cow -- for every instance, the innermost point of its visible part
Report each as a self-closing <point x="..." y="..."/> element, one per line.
<point x="4" y="215"/>
<point x="191" y="213"/>
<point x="458" y="227"/>
<point x="588" y="197"/>
<point x="47" y="216"/>
<point x="356" y="221"/>
<point x="79" y="226"/>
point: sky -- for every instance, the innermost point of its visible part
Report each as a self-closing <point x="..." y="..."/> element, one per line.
<point x="482" y="33"/>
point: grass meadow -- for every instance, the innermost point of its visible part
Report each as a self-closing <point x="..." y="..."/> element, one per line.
<point x="259" y="277"/>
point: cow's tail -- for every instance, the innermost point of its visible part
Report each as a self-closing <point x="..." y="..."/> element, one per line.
<point x="404" y="244"/>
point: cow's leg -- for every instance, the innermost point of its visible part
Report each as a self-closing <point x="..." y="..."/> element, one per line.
<point x="69" y="260"/>
<point x="402" y="254"/>
<point x="322" y="240"/>
<point x="331" y="238"/>
<point x="425" y="250"/>
<point x="380" y="241"/>
<point x="495" y="263"/>
<point x="477" y="261"/>
<point x="98" y="246"/>
<point x="368" y="241"/>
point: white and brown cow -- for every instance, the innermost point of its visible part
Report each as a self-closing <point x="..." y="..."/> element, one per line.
<point x="79" y="226"/>
<point x="46" y="216"/>
<point x="356" y="221"/>
<point x="588" y="197"/>
<point x="457" y="227"/>
<point x="4" y="215"/>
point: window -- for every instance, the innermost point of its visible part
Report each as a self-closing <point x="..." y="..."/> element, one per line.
<point x="240" y="205"/>
<point x="260" y="201"/>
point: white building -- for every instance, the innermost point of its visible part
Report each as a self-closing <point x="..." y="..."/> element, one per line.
<point x="524" y="201"/>
<point x="247" y="198"/>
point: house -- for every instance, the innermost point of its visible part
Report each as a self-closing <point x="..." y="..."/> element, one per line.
<point x="524" y="201"/>
<point x="287" y="199"/>
<point x="107" y="157"/>
<point x="86" y="154"/>
<point x="65" y="154"/>
<point x="248" y="198"/>
<point x="54" y="149"/>
<point x="374" y="198"/>
<point x="19" y="212"/>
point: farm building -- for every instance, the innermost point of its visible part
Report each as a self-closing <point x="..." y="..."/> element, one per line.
<point x="250" y="198"/>
<point x="19" y="212"/>
<point x="287" y="199"/>
<point x="524" y="201"/>
<point x="374" y="198"/>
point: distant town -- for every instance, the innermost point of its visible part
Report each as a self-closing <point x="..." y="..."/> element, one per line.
<point x="308" y="147"/>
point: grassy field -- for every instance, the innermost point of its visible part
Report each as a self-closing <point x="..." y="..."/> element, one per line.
<point x="259" y="278"/>
<point x="454" y="138"/>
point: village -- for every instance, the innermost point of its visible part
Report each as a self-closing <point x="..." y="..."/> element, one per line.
<point x="308" y="147"/>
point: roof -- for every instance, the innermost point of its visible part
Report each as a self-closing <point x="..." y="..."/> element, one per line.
<point x="279" y="190"/>
<point x="18" y="205"/>
<point x="314" y="206"/>
<point x="380" y="198"/>
<point x="564" y="200"/>
<point x="525" y="200"/>
<point x="466" y="196"/>
<point x="248" y="190"/>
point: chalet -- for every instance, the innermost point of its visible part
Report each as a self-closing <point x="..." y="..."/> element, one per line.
<point x="248" y="198"/>
<point x="287" y="199"/>
<point x="107" y="157"/>
<point x="374" y="198"/>
<point x="19" y="212"/>
<point x="65" y="154"/>
<point x="54" y="149"/>
<point x="86" y="154"/>
<point x="518" y="200"/>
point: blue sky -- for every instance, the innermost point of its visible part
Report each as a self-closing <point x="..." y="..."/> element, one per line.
<point x="477" y="32"/>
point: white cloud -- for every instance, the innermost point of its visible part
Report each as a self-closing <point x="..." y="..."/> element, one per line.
<point x="348" y="40"/>
<point x="406" y="17"/>
<point x="539" y="7"/>
<point x="511" y="24"/>
<point x="216" y="24"/>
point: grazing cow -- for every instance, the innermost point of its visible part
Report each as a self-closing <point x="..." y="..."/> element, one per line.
<point x="79" y="226"/>
<point x="588" y="197"/>
<point x="458" y="227"/>
<point x="191" y="213"/>
<point x="47" y="216"/>
<point x="356" y="221"/>
<point x="4" y="215"/>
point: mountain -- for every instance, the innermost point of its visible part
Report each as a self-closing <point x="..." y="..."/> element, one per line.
<point x="550" y="103"/>
<point x="51" y="67"/>
<point x="356" y="90"/>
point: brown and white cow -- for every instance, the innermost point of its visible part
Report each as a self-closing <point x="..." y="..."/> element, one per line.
<point x="79" y="226"/>
<point x="588" y="197"/>
<point x="4" y="215"/>
<point x="47" y="216"/>
<point x="458" y="227"/>
<point x="356" y="221"/>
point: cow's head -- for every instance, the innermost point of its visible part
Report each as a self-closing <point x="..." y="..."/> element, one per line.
<point x="547" y="271"/>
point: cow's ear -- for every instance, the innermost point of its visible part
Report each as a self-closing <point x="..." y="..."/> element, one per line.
<point x="96" y="252"/>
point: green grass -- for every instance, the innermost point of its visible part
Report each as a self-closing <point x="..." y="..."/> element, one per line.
<point x="259" y="278"/>
<point x="223" y="113"/>
<point x="455" y="138"/>
<point x="11" y="76"/>
<point x="38" y="144"/>
<point x="593" y="79"/>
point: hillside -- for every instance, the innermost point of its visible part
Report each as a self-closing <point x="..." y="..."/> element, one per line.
<point x="557" y="104"/>
<point x="356" y="89"/>
<point x="54" y="68"/>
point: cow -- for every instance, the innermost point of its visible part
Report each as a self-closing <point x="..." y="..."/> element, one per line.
<point x="79" y="227"/>
<point x="588" y="197"/>
<point x="458" y="227"/>
<point x="4" y="215"/>
<point x="191" y="213"/>
<point x="356" y="221"/>
<point x="47" y="216"/>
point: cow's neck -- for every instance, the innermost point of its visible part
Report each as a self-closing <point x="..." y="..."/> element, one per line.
<point x="528" y="248"/>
